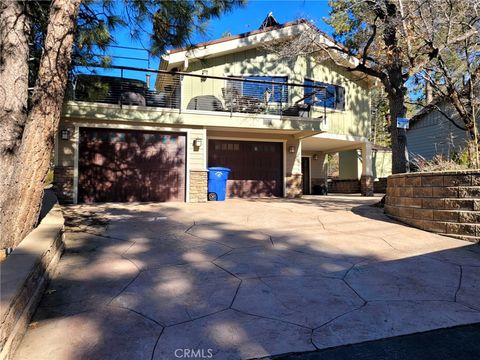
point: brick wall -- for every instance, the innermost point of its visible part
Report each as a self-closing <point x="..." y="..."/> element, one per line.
<point x="198" y="186"/>
<point x="344" y="186"/>
<point x="441" y="202"/>
<point x="63" y="182"/>
<point x="366" y="185"/>
<point x="380" y="186"/>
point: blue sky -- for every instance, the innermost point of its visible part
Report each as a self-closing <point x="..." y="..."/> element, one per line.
<point x="238" y="21"/>
<point x="250" y="17"/>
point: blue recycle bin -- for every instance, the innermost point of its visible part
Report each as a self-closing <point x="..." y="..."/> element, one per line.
<point x="217" y="183"/>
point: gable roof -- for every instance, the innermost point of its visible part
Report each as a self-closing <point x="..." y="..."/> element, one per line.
<point x="179" y="57"/>
<point x="437" y="101"/>
<point x="247" y="39"/>
<point x="269" y="30"/>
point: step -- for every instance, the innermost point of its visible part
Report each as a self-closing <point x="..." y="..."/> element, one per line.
<point x="472" y="239"/>
<point x="471" y="204"/>
<point x="469" y="192"/>
<point x="459" y="216"/>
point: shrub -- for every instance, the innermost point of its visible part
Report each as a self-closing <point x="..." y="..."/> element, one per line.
<point x="462" y="160"/>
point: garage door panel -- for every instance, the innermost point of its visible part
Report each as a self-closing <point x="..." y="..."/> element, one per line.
<point x="256" y="167"/>
<point x="128" y="165"/>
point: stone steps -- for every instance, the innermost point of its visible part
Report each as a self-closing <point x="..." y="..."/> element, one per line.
<point x="473" y="239"/>
<point x="472" y="204"/>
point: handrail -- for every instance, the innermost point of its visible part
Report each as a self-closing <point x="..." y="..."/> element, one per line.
<point x="216" y="77"/>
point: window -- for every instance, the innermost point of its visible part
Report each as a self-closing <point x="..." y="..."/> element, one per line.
<point x="332" y="96"/>
<point x="263" y="92"/>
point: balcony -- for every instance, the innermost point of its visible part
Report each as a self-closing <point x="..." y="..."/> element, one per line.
<point x="261" y="95"/>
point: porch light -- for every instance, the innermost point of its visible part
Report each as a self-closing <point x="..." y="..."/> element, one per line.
<point x="315" y="157"/>
<point x="197" y="142"/>
<point x="204" y="75"/>
<point x="291" y="149"/>
<point x="65" y="134"/>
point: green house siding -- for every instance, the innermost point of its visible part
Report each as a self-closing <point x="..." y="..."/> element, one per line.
<point x="350" y="165"/>
<point x="353" y="121"/>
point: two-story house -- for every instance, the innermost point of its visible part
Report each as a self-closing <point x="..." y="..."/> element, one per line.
<point x="229" y="102"/>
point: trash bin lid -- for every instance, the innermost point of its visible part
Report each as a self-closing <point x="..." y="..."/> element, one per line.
<point x="219" y="168"/>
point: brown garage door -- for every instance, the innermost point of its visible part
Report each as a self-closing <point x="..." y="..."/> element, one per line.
<point x="257" y="167"/>
<point x="124" y="165"/>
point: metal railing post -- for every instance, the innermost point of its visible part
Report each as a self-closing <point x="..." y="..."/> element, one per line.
<point x="179" y="80"/>
<point x="121" y="88"/>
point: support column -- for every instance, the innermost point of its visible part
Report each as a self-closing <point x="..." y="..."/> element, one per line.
<point x="293" y="162"/>
<point x="366" y="181"/>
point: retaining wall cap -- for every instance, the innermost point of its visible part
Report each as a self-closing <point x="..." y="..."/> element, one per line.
<point x="450" y="172"/>
<point x="39" y="240"/>
<point x="20" y="263"/>
<point x="14" y="271"/>
<point x="54" y="217"/>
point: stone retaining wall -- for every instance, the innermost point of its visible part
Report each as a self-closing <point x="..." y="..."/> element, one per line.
<point x="380" y="186"/>
<point x="24" y="277"/>
<point x="442" y="202"/>
<point x="294" y="187"/>
<point x="63" y="182"/>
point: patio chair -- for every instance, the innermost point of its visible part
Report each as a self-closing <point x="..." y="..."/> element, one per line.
<point x="231" y="95"/>
<point x="205" y="102"/>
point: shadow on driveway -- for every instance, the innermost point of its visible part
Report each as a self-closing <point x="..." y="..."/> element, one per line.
<point x="459" y="343"/>
<point x="246" y="279"/>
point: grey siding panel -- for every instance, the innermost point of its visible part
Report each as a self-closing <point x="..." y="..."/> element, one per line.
<point x="434" y="134"/>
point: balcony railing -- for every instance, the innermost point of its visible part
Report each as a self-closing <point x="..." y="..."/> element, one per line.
<point x="200" y="92"/>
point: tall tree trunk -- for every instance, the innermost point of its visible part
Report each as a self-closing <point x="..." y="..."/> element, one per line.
<point x="400" y="161"/>
<point x="395" y="84"/>
<point x="14" y="53"/>
<point x="21" y="203"/>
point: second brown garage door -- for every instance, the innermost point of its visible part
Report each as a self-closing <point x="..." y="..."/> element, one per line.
<point x="257" y="167"/>
<point x="124" y="165"/>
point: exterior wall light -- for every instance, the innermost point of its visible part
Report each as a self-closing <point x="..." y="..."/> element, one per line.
<point x="291" y="149"/>
<point x="315" y="157"/>
<point x="65" y="134"/>
<point x="197" y="142"/>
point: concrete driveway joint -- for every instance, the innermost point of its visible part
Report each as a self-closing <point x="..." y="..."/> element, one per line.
<point x="245" y="279"/>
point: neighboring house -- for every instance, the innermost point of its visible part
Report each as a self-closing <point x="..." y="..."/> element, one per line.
<point x="227" y="102"/>
<point x="431" y="133"/>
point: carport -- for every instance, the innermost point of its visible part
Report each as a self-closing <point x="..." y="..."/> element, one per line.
<point x="315" y="148"/>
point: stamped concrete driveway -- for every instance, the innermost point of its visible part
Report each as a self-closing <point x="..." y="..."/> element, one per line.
<point x="246" y="279"/>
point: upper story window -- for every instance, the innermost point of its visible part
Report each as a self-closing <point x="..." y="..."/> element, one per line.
<point x="332" y="97"/>
<point x="264" y="92"/>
